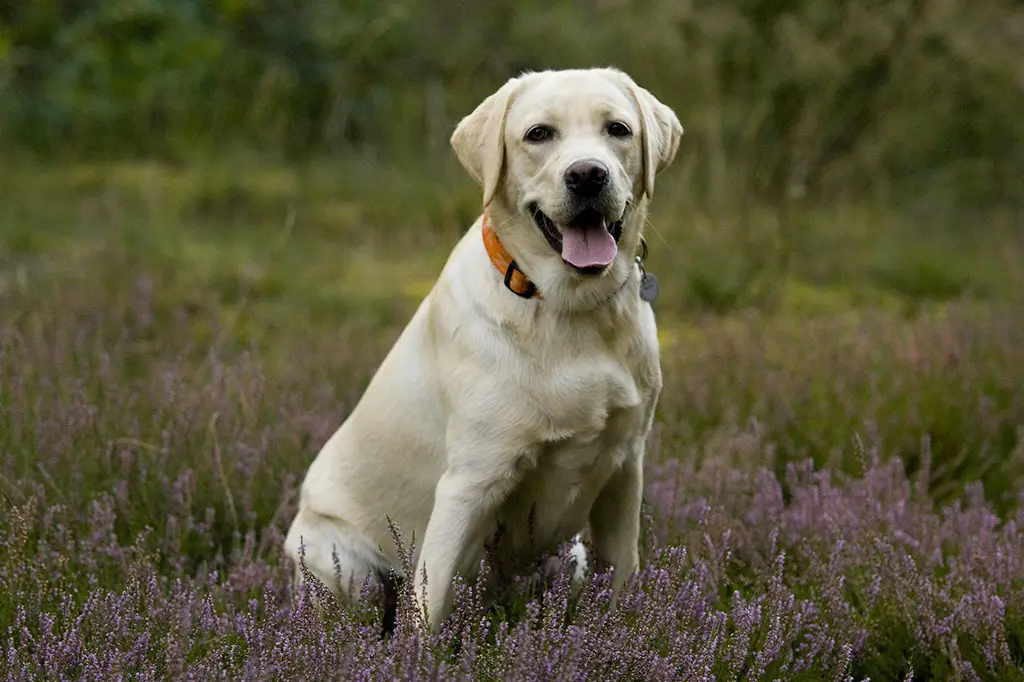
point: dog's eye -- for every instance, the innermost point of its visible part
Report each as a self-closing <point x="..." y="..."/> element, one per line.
<point x="539" y="133"/>
<point x="618" y="129"/>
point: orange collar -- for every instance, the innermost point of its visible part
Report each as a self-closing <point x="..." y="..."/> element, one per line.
<point x="515" y="279"/>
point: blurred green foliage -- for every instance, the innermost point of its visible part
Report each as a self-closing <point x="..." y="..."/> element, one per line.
<point x="832" y="98"/>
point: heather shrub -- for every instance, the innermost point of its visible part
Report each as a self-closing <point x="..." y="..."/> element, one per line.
<point x="851" y="578"/>
<point x="937" y="392"/>
<point x="147" y="484"/>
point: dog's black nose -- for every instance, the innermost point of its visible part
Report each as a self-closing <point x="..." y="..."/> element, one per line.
<point x="586" y="178"/>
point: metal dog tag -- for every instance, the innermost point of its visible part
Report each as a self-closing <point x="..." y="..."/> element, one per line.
<point x="648" y="287"/>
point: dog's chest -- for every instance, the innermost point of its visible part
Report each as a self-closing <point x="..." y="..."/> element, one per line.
<point x="562" y="477"/>
<point x="585" y="411"/>
<point x="573" y="400"/>
<point x="572" y="381"/>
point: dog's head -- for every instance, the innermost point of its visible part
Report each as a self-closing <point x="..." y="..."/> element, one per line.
<point x="567" y="161"/>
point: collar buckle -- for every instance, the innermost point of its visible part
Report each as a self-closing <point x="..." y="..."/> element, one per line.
<point x="515" y="279"/>
<point x="523" y="292"/>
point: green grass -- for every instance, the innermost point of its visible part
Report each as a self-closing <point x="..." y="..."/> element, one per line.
<point x="316" y="236"/>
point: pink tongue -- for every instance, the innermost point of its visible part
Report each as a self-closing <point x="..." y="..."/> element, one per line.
<point x="588" y="245"/>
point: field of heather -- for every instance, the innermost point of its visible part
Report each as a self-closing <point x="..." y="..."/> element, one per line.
<point x="833" y="485"/>
<point x="217" y="215"/>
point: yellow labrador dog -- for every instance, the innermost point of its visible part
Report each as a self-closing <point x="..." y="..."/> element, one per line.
<point x="520" y="395"/>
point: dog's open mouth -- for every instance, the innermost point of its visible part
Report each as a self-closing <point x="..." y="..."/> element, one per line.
<point x="587" y="243"/>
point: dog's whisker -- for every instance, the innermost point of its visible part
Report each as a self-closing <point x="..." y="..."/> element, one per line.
<point x="648" y="225"/>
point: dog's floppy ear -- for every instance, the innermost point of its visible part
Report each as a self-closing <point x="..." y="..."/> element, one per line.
<point x="660" y="135"/>
<point x="479" y="139"/>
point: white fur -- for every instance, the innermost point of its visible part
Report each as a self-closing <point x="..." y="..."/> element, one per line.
<point x="493" y="411"/>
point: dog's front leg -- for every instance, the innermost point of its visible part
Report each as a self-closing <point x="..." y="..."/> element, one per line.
<point x="466" y="502"/>
<point x="615" y="522"/>
<point x="615" y="516"/>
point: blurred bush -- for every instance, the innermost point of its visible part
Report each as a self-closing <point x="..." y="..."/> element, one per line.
<point x="781" y="98"/>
